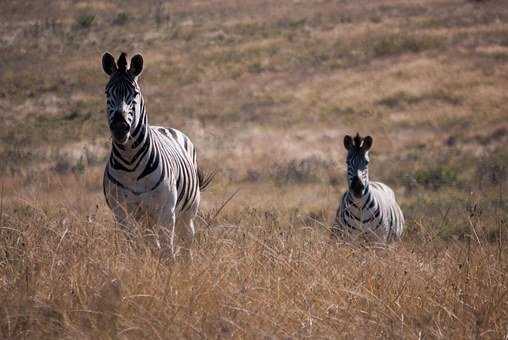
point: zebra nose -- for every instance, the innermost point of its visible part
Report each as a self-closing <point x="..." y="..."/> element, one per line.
<point x="356" y="181"/>
<point x="357" y="186"/>
<point x="119" y="124"/>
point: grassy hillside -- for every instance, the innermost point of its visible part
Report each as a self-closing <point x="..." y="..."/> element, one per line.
<point x="266" y="90"/>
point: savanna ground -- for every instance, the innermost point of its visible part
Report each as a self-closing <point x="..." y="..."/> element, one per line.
<point x="266" y="90"/>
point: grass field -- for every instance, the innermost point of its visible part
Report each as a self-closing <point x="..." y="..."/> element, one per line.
<point x="266" y="90"/>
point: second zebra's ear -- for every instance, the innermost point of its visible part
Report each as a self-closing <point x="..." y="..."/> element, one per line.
<point x="367" y="143"/>
<point x="108" y="63"/>
<point x="348" y="142"/>
<point x="136" y="65"/>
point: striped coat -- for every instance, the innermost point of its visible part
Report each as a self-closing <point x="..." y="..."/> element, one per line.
<point x="366" y="208"/>
<point x="152" y="176"/>
<point x="376" y="213"/>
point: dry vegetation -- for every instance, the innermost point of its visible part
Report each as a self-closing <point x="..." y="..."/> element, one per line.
<point x="266" y="89"/>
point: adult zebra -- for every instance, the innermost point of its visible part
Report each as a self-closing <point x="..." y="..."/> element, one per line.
<point x="367" y="208"/>
<point x="152" y="174"/>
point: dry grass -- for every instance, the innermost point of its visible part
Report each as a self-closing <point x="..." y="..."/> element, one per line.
<point x="67" y="273"/>
<point x="266" y="90"/>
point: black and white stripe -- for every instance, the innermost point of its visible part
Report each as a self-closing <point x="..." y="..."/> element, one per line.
<point x="366" y="207"/>
<point x="152" y="171"/>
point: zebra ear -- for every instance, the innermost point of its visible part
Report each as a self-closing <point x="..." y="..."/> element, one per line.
<point x="348" y="142"/>
<point x="136" y="65"/>
<point x="108" y="63"/>
<point x="367" y="143"/>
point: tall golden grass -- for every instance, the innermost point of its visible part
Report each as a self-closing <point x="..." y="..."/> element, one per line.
<point x="67" y="272"/>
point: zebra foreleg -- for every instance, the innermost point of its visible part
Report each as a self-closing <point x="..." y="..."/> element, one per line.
<point x="123" y="220"/>
<point x="164" y="239"/>
<point x="185" y="232"/>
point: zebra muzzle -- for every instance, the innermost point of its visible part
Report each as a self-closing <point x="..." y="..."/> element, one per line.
<point x="120" y="130"/>
<point x="357" y="187"/>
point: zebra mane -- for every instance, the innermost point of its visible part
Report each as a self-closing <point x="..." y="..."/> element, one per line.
<point x="357" y="140"/>
<point x="357" y="143"/>
<point x="122" y="62"/>
<point x="124" y="79"/>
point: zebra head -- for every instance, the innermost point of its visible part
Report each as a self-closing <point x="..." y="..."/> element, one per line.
<point x="122" y="94"/>
<point x="357" y="163"/>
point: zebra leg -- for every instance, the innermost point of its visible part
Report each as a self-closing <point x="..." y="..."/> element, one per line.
<point x="171" y="234"/>
<point x="164" y="236"/>
<point x="166" y="223"/>
<point x="185" y="232"/>
<point x="123" y="220"/>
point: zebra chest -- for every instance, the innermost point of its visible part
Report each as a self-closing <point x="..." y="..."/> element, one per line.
<point x="370" y="218"/>
<point x="135" y="202"/>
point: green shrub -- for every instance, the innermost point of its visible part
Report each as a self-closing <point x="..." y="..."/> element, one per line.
<point x="121" y="19"/>
<point x="255" y="67"/>
<point x="80" y="166"/>
<point x="401" y="98"/>
<point x="394" y="44"/>
<point x="85" y="21"/>
<point x="436" y="177"/>
<point x="492" y="169"/>
<point x="397" y="99"/>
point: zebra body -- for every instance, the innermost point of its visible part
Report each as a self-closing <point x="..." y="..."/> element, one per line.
<point x="167" y="163"/>
<point x="367" y="208"/>
<point x="152" y="175"/>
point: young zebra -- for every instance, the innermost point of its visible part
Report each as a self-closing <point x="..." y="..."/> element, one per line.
<point x="152" y="174"/>
<point x="367" y="207"/>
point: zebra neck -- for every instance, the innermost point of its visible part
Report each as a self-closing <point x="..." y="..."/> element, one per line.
<point x="362" y="213"/>
<point x="359" y="202"/>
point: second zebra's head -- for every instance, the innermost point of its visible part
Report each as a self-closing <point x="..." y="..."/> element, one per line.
<point x="357" y="163"/>
<point x="123" y="103"/>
